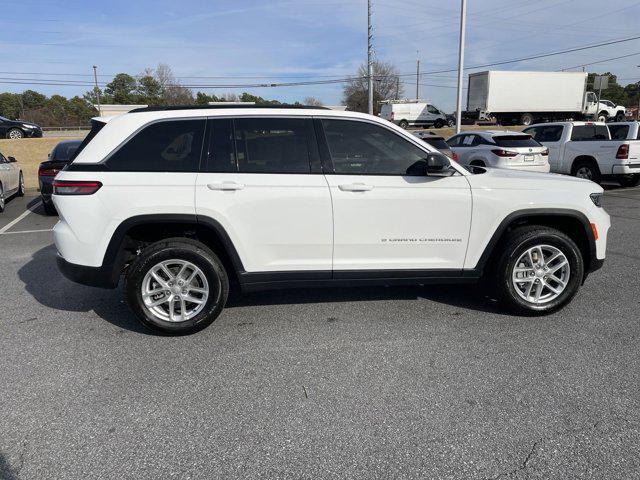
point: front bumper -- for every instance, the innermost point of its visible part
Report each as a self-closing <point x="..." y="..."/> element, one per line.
<point x="32" y="132"/>
<point x="100" y="277"/>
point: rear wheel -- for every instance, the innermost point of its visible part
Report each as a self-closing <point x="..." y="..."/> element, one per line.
<point x="403" y="124"/>
<point x="633" y="181"/>
<point x="1" y="199"/>
<point x="603" y="116"/>
<point x="177" y="286"/>
<point x="540" y="270"/>
<point x="586" y="169"/>
<point x="438" y="124"/>
<point x="620" y="117"/>
<point x="526" y="119"/>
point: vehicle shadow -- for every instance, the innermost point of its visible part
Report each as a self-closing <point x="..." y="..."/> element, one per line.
<point x="49" y="288"/>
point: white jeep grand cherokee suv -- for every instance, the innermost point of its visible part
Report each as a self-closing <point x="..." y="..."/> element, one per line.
<point x="186" y="201"/>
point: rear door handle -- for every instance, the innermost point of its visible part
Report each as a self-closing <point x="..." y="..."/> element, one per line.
<point x="225" y="186"/>
<point x="355" y="187"/>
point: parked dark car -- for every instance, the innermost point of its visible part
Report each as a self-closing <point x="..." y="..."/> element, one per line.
<point x="59" y="157"/>
<point x="436" y="141"/>
<point x="18" y="129"/>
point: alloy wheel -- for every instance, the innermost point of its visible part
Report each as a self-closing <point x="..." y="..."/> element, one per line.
<point x="15" y="134"/>
<point x="175" y="290"/>
<point x="541" y="274"/>
<point x="584" y="172"/>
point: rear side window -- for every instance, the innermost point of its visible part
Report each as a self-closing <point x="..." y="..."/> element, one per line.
<point x="171" y="146"/>
<point x="619" y="132"/>
<point x="273" y="145"/>
<point x="515" y="141"/>
<point x="585" y="133"/>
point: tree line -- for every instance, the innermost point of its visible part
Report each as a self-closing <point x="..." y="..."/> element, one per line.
<point x="158" y="86"/>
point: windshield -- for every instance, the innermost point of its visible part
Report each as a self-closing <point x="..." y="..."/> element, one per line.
<point x="515" y="141"/>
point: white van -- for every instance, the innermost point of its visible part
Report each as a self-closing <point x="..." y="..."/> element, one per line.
<point x="406" y="113"/>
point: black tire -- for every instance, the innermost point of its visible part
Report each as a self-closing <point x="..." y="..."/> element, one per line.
<point x="2" y="198"/>
<point x="620" y="117"/>
<point x="180" y="249"/>
<point x="515" y="244"/>
<point x="15" y="133"/>
<point x="586" y="169"/>
<point x="633" y="181"/>
<point x="20" y="186"/>
<point x="403" y="124"/>
<point x="604" y="116"/>
<point x="49" y="208"/>
<point x="526" y="119"/>
<point x="438" y="123"/>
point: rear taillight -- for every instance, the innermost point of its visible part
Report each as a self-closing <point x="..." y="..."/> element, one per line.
<point x="455" y="157"/>
<point x="72" y="187"/>
<point x="504" y="153"/>
<point x="545" y="152"/>
<point x="623" y="152"/>
<point x="47" y="172"/>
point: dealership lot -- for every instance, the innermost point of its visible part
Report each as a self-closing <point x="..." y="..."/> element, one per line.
<point x="431" y="382"/>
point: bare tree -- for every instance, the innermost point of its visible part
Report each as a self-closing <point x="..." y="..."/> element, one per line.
<point x="386" y="86"/>
<point x="172" y="92"/>
<point x="312" y="102"/>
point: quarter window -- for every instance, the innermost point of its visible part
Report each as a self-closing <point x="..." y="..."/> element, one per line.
<point x="619" y="132"/>
<point x="172" y="146"/>
<point x="361" y="148"/>
<point x="273" y="145"/>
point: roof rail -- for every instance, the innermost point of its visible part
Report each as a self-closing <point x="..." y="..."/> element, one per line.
<point x="217" y="107"/>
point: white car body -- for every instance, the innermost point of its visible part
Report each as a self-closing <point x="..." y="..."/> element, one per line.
<point x="9" y="177"/>
<point x="499" y="149"/>
<point x="405" y="113"/>
<point x="607" y="109"/>
<point x="316" y="228"/>
<point x="568" y="146"/>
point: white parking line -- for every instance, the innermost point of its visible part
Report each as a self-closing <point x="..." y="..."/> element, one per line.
<point x="27" y="231"/>
<point x="22" y="216"/>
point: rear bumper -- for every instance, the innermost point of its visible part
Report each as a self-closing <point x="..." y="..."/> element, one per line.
<point x="100" y="277"/>
<point x="626" y="169"/>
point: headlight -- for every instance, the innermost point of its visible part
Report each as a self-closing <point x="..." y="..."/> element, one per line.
<point x="596" y="198"/>
<point x="25" y="125"/>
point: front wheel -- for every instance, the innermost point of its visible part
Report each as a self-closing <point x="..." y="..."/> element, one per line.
<point x="620" y="117"/>
<point x="540" y="270"/>
<point x="177" y="286"/>
<point x="15" y="134"/>
<point x="403" y="124"/>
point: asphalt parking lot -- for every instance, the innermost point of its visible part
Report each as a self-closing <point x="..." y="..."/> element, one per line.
<point x="431" y="382"/>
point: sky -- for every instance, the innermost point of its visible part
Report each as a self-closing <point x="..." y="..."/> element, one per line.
<point x="245" y="42"/>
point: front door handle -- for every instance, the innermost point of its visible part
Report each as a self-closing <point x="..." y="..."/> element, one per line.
<point x="225" y="186"/>
<point x="355" y="187"/>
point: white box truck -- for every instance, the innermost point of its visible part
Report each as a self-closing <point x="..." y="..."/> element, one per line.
<point x="529" y="97"/>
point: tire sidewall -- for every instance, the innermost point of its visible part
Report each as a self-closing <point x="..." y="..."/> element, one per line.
<point x="15" y="130"/>
<point x="210" y="266"/>
<point x="576" y="266"/>
<point x="595" y="173"/>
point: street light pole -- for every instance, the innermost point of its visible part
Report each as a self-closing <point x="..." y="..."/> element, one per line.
<point x="95" y="79"/>
<point x="463" y="15"/>
<point x="369" y="59"/>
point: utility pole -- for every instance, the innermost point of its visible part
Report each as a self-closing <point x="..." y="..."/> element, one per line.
<point x="638" y="112"/>
<point x="417" y="77"/>
<point x="397" y="88"/>
<point x="463" y="19"/>
<point x="95" y="80"/>
<point x="369" y="58"/>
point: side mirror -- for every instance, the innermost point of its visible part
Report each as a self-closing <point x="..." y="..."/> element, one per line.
<point x="436" y="162"/>
<point x="12" y="159"/>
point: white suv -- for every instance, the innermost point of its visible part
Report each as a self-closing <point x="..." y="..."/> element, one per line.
<point x="499" y="149"/>
<point x="184" y="202"/>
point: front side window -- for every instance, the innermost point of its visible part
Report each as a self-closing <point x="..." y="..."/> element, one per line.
<point x="171" y="146"/>
<point x="273" y="145"/>
<point x="361" y="148"/>
<point x="432" y="109"/>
